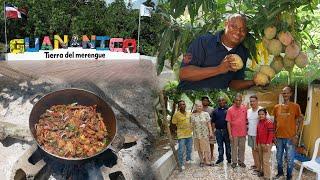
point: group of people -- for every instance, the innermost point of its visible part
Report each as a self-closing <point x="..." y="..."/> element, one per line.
<point x="231" y="126"/>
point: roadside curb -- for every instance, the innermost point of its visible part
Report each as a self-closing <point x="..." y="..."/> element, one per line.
<point x="164" y="166"/>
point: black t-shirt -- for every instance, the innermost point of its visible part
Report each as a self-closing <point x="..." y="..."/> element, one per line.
<point x="219" y="117"/>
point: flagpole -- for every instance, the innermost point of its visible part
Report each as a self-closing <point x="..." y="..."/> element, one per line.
<point x="138" y="49"/>
<point x="5" y="26"/>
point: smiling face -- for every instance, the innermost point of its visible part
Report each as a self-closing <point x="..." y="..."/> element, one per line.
<point x="235" y="31"/>
<point x="221" y="102"/>
<point x="205" y="102"/>
<point x="238" y="101"/>
<point x="253" y="103"/>
<point x="199" y="107"/>
<point x="262" y="115"/>
<point x="182" y="106"/>
<point x="286" y="94"/>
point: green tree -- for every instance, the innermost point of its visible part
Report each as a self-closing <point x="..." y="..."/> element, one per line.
<point x="80" y="17"/>
<point x="188" y="19"/>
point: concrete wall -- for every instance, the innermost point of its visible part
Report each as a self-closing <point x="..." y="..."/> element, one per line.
<point x="164" y="166"/>
<point x="311" y="131"/>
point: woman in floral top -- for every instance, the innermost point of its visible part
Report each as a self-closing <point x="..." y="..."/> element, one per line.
<point x="201" y="132"/>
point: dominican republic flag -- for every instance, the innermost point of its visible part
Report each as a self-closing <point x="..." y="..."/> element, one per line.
<point x="12" y="12"/>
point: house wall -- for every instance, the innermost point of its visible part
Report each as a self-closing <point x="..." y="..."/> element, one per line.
<point x="312" y="131"/>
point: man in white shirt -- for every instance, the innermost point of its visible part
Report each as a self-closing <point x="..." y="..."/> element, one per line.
<point x="252" y="116"/>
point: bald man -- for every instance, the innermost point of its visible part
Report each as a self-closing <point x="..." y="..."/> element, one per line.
<point x="207" y="64"/>
<point x="288" y="121"/>
<point x="237" y="129"/>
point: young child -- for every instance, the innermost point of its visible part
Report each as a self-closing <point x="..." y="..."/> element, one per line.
<point x="265" y="135"/>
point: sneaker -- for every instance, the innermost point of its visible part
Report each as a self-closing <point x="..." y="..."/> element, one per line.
<point x="233" y="165"/>
<point x="289" y="177"/>
<point x="242" y="165"/>
<point x="183" y="168"/>
<point x="229" y="161"/>
<point x="253" y="167"/>
<point x="260" y="174"/>
<point x="256" y="171"/>
<point x="219" y="161"/>
<point x="188" y="162"/>
<point x="279" y="175"/>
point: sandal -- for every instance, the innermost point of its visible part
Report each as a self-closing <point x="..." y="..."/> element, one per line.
<point x="253" y="167"/>
<point x="201" y="164"/>
<point x="209" y="164"/>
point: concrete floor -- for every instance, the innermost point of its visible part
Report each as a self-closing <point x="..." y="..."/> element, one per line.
<point x="224" y="171"/>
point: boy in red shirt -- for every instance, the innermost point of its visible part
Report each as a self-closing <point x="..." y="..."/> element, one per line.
<point x="265" y="135"/>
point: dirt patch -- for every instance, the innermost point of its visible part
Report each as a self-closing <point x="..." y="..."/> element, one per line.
<point x="161" y="146"/>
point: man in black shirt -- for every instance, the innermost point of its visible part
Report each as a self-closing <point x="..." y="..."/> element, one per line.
<point x="219" y="123"/>
<point x="209" y="65"/>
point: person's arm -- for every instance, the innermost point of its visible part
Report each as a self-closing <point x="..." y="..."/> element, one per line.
<point x="174" y="119"/>
<point x="241" y="84"/>
<point x="275" y="125"/>
<point x="299" y="124"/>
<point x="228" y="119"/>
<point x="210" y="129"/>
<point x="193" y="66"/>
<point x="213" y="125"/>
<point x="270" y="129"/>
<point x="229" y="130"/>
<point x="192" y="122"/>
<point x="213" y="118"/>
<point x="195" y="73"/>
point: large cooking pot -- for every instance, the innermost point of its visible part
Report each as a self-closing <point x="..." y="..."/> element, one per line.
<point x="69" y="96"/>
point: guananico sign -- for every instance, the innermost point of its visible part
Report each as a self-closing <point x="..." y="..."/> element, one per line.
<point x="99" y="43"/>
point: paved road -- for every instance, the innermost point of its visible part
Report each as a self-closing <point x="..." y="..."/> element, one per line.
<point x="224" y="171"/>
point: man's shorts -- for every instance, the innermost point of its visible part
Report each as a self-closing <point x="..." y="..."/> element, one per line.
<point x="252" y="141"/>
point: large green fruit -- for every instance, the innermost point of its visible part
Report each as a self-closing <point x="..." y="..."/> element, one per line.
<point x="285" y="38"/>
<point x="275" y="47"/>
<point x="292" y="51"/>
<point x="267" y="70"/>
<point x="261" y="79"/>
<point x="277" y="64"/>
<point x="237" y="62"/>
<point x="288" y="63"/>
<point x="270" y="32"/>
<point x="301" y="60"/>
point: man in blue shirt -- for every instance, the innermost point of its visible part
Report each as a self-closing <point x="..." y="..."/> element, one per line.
<point x="219" y="123"/>
<point x="210" y="66"/>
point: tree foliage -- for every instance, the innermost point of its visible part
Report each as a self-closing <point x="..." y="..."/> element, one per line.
<point x="188" y="19"/>
<point x="80" y="17"/>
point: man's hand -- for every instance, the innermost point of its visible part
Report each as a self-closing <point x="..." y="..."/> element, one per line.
<point x="230" y="137"/>
<point x="255" y="146"/>
<point x="227" y="65"/>
<point x="267" y="147"/>
<point x="210" y="134"/>
<point x="294" y="140"/>
<point x="187" y="58"/>
<point x="232" y="62"/>
<point x="275" y="141"/>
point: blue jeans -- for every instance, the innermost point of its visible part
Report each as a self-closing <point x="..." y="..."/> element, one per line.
<point x="222" y="136"/>
<point x="184" y="143"/>
<point x="284" y="144"/>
